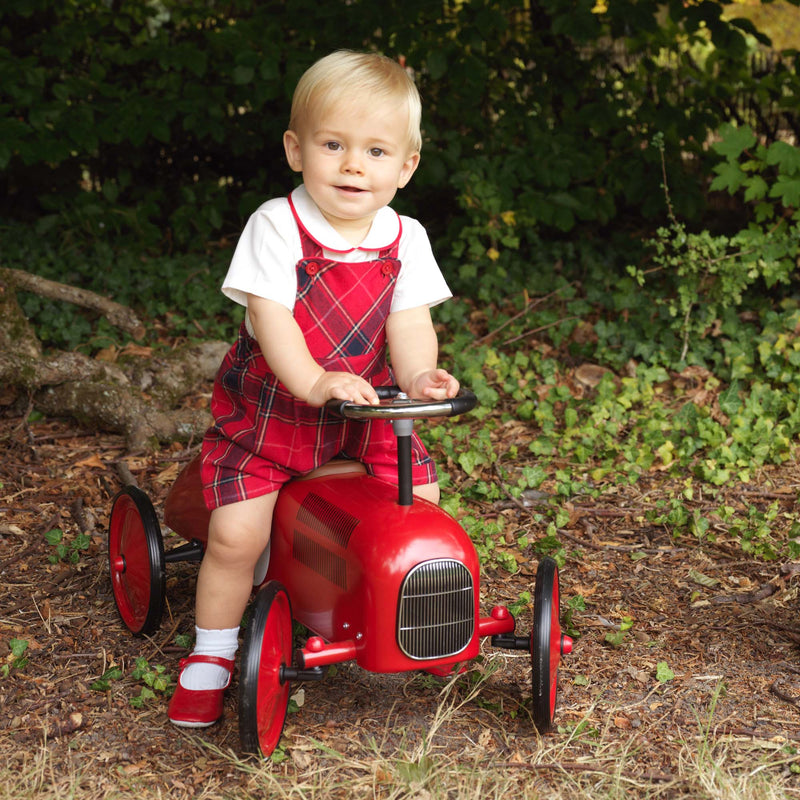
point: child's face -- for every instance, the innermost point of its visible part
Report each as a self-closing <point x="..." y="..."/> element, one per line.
<point x="353" y="161"/>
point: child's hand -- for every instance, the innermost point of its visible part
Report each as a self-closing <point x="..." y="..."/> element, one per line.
<point x="438" y="384"/>
<point x="341" y="386"/>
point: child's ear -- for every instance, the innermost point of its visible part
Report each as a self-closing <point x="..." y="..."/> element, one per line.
<point x="291" y="145"/>
<point x="407" y="170"/>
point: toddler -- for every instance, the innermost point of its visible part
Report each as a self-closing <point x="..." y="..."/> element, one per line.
<point x="331" y="277"/>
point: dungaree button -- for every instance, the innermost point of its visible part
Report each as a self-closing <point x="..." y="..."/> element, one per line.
<point x="386" y="269"/>
<point x="312" y="268"/>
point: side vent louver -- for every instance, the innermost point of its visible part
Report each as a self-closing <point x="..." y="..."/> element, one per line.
<point x="332" y="523"/>
<point x="327" y="519"/>
<point x="320" y="559"/>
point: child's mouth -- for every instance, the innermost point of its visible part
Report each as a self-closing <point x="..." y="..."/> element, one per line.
<point x="351" y="189"/>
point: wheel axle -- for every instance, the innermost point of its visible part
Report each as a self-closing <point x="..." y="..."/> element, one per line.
<point x="510" y="642"/>
<point x="295" y="674"/>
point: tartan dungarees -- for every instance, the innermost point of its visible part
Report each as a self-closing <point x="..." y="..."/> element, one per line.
<point x="262" y="436"/>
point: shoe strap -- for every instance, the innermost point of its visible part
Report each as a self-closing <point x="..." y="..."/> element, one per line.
<point x="199" y="658"/>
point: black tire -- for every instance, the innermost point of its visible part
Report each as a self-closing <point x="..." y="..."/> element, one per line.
<point x="545" y="644"/>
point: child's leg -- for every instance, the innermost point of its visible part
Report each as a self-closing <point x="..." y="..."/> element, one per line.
<point x="338" y="466"/>
<point x="237" y="536"/>
<point x="428" y="491"/>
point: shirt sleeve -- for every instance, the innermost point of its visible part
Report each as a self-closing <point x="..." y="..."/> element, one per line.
<point x="420" y="282"/>
<point x="264" y="261"/>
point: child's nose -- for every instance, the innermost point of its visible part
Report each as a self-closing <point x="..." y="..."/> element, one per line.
<point x="353" y="164"/>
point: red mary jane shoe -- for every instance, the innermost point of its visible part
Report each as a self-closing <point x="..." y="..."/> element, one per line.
<point x="198" y="708"/>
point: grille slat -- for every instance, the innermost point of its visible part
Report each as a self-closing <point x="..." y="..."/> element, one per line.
<point x="436" y="615"/>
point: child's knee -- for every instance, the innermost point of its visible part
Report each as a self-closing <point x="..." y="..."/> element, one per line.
<point x="242" y="529"/>
<point x="428" y="491"/>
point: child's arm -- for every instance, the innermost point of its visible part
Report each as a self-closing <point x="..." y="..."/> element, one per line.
<point x="285" y="350"/>
<point x="415" y="350"/>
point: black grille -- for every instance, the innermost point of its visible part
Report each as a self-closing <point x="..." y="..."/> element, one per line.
<point x="436" y="612"/>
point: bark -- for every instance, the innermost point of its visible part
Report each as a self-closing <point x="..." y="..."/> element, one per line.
<point x="118" y="315"/>
<point x="137" y="397"/>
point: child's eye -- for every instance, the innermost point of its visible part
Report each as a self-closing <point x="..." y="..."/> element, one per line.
<point x="333" y="145"/>
<point x="376" y="152"/>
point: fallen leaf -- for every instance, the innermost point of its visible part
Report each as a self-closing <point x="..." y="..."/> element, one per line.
<point x="138" y="350"/>
<point x="107" y="354"/>
<point x="590" y="375"/>
<point x="301" y="760"/>
<point x="93" y="462"/>
<point x="169" y="474"/>
<point x="299" y="697"/>
<point x="640" y="676"/>
<point x="703" y="580"/>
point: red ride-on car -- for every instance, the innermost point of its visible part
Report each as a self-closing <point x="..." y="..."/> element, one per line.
<point x="378" y="576"/>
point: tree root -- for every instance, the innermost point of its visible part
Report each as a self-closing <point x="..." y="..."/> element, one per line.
<point x="137" y="399"/>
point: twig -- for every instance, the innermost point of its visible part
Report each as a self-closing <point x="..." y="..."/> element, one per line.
<point x="746" y="597"/>
<point x="84" y="518"/>
<point x="538" y="330"/>
<point x="158" y="648"/>
<point x="792" y="701"/>
<point x="69" y="656"/>
<point x="574" y="766"/>
<point x="608" y="512"/>
<point x="529" y="307"/>
<point x="125" y="474"/>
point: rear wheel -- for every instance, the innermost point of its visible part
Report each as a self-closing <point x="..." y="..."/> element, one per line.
<point x="136" y="561"/>
<point x="546" y="644"/>
<point x="263" y="691"/>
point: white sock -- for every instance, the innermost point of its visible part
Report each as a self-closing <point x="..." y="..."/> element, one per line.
<point x="220" y="643"/>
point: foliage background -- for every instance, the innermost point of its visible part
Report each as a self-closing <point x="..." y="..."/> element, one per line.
<point x="164" y="119"/>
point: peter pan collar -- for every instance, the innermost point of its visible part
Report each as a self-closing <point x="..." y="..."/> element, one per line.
<point x="385" y="230"/>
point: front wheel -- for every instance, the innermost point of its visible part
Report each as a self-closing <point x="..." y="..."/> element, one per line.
<point x="547" y="644"/>
<point x="263" y="690"/>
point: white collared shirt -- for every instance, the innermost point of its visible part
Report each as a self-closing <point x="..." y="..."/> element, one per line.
<point x="269" y="248"/>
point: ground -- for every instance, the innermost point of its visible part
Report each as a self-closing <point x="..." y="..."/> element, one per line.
<point x="684" y="680"/>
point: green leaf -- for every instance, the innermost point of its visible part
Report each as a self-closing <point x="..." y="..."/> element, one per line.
<point x="103" y="683"/>
<point x="729" y="400"/>
<point x="243" y="75"/>
<point x="734" y="141"/>
<point x="730" y="177"/>
<point x="757" y="189"/>
<point x="785" y="156"/>
<point x="54" y="536"/>
<point x="18" y="647"/>
<point x="787" y="190"/>
<point x="663" y="673"/>
<point x="437" y="64"/>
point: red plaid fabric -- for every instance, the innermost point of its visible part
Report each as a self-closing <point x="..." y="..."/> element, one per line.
<point x="262" y="436"/>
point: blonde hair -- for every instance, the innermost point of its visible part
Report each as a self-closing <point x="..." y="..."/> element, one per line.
<point x="346" y="75"/>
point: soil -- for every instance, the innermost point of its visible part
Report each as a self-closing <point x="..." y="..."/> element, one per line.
<point x="680" y="641"/>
